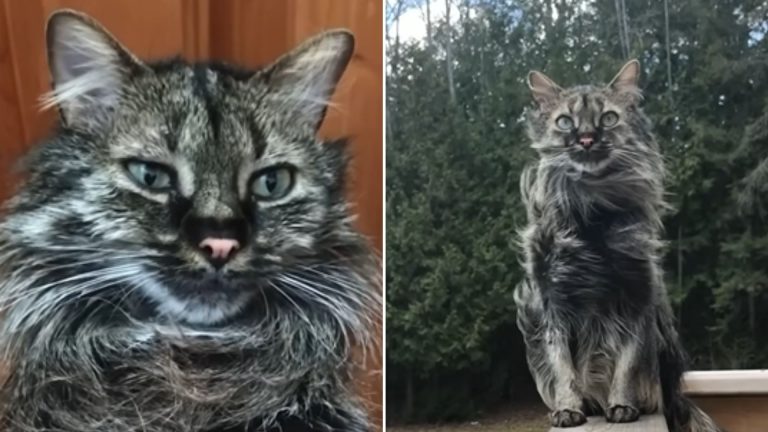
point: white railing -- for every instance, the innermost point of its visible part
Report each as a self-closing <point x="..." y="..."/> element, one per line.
<point x="726" y="382"/>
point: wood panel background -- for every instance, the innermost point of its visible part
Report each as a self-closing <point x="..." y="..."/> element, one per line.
<point x="245" y="32"/>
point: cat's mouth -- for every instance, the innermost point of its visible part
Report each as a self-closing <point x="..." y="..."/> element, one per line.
<point x="200" y="297"/>
<point x="593" y="160"/>
<point x="206" y="282"/>
<point x="596" y="153"/>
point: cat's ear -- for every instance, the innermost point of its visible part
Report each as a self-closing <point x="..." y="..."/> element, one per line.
<point x="542" y="87"/>
<point x="87" y="65"/>
<point x="627" y="78"/>
<point x="303" y="80"/>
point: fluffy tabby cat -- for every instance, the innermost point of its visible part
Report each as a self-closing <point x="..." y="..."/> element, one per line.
<point x="181" y="256"/>
<point x="593" y="309"/>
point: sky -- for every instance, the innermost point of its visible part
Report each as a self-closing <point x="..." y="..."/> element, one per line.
<point x="413" y="20"/>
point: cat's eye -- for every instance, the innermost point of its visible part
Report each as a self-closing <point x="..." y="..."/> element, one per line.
<point x="272" y="183"/>
<point x="609" y="119"/>
<point x="153" y="176"/>
<point x="564" y="122"/>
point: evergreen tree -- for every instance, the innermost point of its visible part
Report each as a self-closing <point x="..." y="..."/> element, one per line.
<point x="456" y="144"/>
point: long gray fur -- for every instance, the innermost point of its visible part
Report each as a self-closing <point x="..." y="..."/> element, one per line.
<point x="109" y="322"/>
<point x="593" y="309"/>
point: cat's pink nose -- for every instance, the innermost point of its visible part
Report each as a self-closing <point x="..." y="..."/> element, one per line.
<point x="586" y="141"/>
<point x="220" y="249"/>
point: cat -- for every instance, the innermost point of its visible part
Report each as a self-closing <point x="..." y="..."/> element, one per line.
<point x="181" y="255"/>
<point x="593" y="309"/>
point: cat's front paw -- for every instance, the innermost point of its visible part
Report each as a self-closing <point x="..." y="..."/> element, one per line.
<point x="622" y="414"/>
<point x="567" y="418"/>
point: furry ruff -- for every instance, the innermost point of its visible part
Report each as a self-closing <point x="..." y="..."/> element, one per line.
<point x="85" y="360"/>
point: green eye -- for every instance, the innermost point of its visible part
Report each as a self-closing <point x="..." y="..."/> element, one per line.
<point x="564" y="122"/>
<point x="273" y="183"/>
<point x="150" y="175"/>
<point x="609" y="119"/>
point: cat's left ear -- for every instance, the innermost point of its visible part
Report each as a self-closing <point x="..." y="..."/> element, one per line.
<point x="303" y="80"/>
<point x="627" y="78"/>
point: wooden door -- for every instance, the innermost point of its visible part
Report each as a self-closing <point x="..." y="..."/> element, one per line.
<point x="245" y="32"/>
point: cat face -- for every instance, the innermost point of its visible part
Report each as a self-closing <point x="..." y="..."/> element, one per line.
<point x="586" y="127"/>
<point x="204" y="182"/>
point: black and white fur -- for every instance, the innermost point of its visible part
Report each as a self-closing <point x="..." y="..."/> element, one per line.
<point x="112" y="320"/>
<point x="593" y="309"/>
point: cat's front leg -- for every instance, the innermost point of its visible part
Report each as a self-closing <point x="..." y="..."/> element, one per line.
<point x="549" y="358"/>
<point x="623" y="395"/>
<point x="567" y="402"/>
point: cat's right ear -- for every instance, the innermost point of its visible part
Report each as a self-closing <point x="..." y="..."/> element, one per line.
<point x="627" y="78"/>
<point x="87" y="65"/>
<point x="544" y="90"/>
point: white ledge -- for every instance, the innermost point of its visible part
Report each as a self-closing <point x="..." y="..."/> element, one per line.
<point x="726" y="382"/>
<point x="649" y="423"/>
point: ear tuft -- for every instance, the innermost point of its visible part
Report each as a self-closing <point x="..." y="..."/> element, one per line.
<point x="628" y="77"/>
<point x="303" y="80"/>
<point x="87" y="66"/>
<point x="542" y="87"/>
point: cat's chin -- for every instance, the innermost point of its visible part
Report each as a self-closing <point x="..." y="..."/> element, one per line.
<point x="591" y="164"/>
<point x="198" y="302"/>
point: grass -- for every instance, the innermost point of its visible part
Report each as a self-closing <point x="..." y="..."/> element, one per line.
<point x="516" y="418"/>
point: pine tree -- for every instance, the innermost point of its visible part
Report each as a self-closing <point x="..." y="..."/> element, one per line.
<point x="456" y="145"/>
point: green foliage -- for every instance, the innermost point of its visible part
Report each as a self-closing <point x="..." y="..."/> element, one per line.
<point x="452" y="182"/>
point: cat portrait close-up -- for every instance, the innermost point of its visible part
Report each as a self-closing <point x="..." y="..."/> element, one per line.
<point x="181" y="249"/>
<point x="383" y="215"/>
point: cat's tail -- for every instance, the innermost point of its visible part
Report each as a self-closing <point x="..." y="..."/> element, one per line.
<point x="681" y="413"/>
<point x="697" y="420"/>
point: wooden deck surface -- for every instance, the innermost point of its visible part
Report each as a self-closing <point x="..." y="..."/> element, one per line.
<point x="653" y="423"/>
